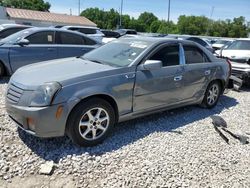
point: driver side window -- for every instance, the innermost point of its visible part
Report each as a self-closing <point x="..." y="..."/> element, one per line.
<point x="169" y="55"/>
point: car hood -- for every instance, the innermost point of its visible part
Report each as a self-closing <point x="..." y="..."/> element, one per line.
<point x="60" y="70"/>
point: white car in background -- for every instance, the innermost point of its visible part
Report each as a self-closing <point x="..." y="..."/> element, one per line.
<point x="220" y="43"/>
<point x="92" y="32"/>
<point x="238" y="52"/>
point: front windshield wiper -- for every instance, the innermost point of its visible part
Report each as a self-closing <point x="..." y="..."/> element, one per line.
<point x="93" y="60"/>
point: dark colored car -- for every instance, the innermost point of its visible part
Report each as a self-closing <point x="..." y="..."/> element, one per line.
<point x="110" y="34"/>
<point x="127" y="32"/>
<point x="9" y="29"/>
<point x="41" y="44"/>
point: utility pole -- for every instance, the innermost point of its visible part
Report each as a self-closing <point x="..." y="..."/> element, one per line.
<point x="121" y="13"/>
<point x="210" y="21"/>
<point x="79" y="7"/>
<point x="169" y="4"/>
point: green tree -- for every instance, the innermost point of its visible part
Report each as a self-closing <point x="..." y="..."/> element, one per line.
<point x="147" y="18"/>
<point x="26" y="4"/>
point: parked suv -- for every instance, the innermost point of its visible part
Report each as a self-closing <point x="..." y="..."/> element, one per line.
<point x="238" y="52"/>
<point x="41" y="44"/>
<point x="92" y="32"/>
<point x="129" y="78"/>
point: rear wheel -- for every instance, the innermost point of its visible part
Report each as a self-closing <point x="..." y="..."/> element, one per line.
<point x="91" y="122"/>
<point x="2" y="72"/>
<point x="212" y="95"/>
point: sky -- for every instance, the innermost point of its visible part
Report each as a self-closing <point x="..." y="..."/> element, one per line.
<point x="223" y="9"/>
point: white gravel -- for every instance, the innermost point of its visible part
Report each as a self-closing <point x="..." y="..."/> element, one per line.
<point x="178" y="148"/>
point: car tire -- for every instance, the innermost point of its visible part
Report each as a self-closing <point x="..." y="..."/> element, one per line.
<point x="212" y="95"/>
<point x="2" y="72"/>
<point x="90" y="122"/>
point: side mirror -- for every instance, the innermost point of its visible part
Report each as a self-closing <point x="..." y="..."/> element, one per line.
<point x="23" y="42"/>
<point x="151" y="65"/>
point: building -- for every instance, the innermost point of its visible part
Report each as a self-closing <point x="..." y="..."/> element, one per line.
<point x="41" y="19"/>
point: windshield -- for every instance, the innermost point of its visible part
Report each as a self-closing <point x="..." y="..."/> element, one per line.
<point x="16" y="36"/>
<point x="239" y="45"/>
<point x="118" y="53"/>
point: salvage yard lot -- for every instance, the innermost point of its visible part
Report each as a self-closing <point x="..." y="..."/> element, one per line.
<point x="177" y="148"/>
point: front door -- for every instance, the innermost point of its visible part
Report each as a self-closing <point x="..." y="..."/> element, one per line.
<point x="162" y="87"/>
<point x="40" y="48"/>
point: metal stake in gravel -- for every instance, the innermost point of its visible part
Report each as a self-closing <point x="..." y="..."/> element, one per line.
<point x="220" y="122"/>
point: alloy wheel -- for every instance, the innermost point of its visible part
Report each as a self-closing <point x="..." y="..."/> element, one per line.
<point x="94" y="123"/>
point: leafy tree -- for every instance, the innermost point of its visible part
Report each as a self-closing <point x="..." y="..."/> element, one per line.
<point x="27" y="4"/>
<point x="191" y="25"/>
<point x="147" y="18"/>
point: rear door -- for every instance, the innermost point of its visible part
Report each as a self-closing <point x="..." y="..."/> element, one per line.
<point x="199" y="71"/>
<point x="73" y="45"/>
<point x="41" y="48"/>
<point x="162" y="87"/>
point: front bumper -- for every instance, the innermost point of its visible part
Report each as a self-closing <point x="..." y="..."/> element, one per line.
<point x="45" y="122"/>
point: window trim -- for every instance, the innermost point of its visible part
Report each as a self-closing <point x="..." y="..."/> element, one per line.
<point x="160" y="47"/>
<point x="207" y="59"/>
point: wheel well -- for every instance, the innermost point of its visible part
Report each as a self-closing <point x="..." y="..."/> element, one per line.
<point x="107" y="98"/>
<point x="5" y="69"/>
<point x="222" y="84"/>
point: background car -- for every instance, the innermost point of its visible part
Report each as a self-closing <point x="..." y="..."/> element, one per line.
<point x="132" y="77"/>
<point x="238" y="52"/>
<point x="9" y="29"/>
<point x="127" y="32"/>
<point x="220" y="43"/>
<point x="41" y="44"/>
<point x="201" y="42"/>
<point x="92" y="32"/>
<point x="109" y="35"/>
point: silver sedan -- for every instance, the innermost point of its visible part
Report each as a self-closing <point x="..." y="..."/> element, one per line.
<point x="85" y="97"/>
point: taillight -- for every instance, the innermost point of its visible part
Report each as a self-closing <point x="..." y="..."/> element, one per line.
<point x="230" y="66"/>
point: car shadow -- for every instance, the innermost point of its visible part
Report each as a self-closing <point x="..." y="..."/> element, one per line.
<point x="125" y="133"/>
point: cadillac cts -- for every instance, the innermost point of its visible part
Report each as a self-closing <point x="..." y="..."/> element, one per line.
<point x="128" y="78"/>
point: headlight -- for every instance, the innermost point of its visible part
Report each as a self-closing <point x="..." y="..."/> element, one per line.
<point x="44" y="95"/>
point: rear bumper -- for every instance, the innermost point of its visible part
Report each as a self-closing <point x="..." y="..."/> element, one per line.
<point x="44" y="121"/>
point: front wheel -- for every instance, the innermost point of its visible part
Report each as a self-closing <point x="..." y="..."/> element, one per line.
<point x="212" y="95"/>
<point x="91" y="122"/>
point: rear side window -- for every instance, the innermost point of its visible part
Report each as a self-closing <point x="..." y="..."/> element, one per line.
<point x="70" y="38"/>
<point x="84" y="30"/>
<point x="44" y="37"/>
<point x="8" y="32"/>
<point x="195" y="55"/>
<point x="169" y="55"/>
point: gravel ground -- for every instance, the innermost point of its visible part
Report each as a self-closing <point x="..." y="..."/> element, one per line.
<point x="178" y="148"/>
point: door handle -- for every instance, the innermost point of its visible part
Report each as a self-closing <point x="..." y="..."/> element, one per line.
<point x="178" y="78"/>
<point x="51" y="49"/>
<point x="130" y="76"/>
<point x="207" y="72"/>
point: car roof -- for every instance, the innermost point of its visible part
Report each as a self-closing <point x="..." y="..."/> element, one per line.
<point x="5" y="26"/>
<point x="154" y="40"/>
<point x="246" y="39"/>
<point x="76" y="26"/>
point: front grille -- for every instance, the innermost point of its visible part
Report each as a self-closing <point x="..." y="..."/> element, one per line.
<point x="14" y="93"/>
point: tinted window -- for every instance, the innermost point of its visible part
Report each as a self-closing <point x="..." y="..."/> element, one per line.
<point x="194" y="55"/>
<point x="8" y="32"/>
<point x="199" y="41"/>
<point x="168" y="55"/>
<point x="131" y="32"/>
<point x="83" y="30"/>
<point x="44" y="37"/>
<point x="240" y="45"/>
<point x="70" y="38"/>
